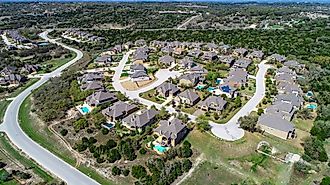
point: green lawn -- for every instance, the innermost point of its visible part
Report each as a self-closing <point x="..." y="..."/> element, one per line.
<point x="40" y="133"/>
<point x="251" y="89"/>
<point x="150" y="95"/>
<point x="58" y="62"/>
<point x="3" y="106"/>
<point x="23" y="87"/>
<point x="5" y="145"/>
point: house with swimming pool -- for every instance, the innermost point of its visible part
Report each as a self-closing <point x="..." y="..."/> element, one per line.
<point x="170" y="133"/>
<point x="119" y="110"/>
<point x="100" y="97"/>
<point x="140" y="121"/>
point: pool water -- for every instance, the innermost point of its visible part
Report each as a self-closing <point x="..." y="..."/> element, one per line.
<point x="210" y="89"/>
<point x="85" y="109"/>
<point x="311" y="106"/>
<point x="108" y="125"/>
<point x="160" y="148"/>
<point x="200" y="87"/>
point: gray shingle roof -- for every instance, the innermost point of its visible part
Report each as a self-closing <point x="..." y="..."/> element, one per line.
<point x="275" y="121"/>
<point x="168" y="87"/>
<point x="214" y="102"/>
<point x="170" y="129"/>
<point x="242" y="63"/>
<point x="119" y="109"/>
<point x="167" y="59"/>
<point x="189" y="94"/>
<point x="141" y="120"/>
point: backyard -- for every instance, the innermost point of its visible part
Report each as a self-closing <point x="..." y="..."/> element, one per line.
<point x="39" y="132"/>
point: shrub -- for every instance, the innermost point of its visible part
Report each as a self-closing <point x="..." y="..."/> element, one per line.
<point x="64" y="132"/>
<point x="116" y="171"/>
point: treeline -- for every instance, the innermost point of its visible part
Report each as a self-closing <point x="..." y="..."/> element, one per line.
<point x="304" y="44"/>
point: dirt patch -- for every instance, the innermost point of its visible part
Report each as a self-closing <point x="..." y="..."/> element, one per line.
<point x="132" y="86"/>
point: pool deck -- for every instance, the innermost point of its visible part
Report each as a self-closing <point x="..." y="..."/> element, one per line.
<point x="84" y="105"/>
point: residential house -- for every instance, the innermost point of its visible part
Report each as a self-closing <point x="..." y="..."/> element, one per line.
<point x="213" y="103"/>
<point x="294" y="100"/>
<point x="168" y="50"/>
<point x="90" y="77"/>
<point x="128" y="45"/>
<point x="137" y="67"/>
<point x="190" y="79"/>
<point x="211" y="47"/>
<point x="210" y="56"/>
<point x="30" y="69"/>
<point x="187" y="97"/>
<point x="94" y="85"/>
<point x="256" y="55"/>
<point x="285" y="110"/>
<point x="141" y="55"/>
<point x="104" y="60"/>
<point x="172" y="132"/>
<point x="240" y="52"/>
<point x="275" y="125"/>
<point x="187" y="63"/>
<point x="119" y="110"/>
<point x="237" y="78"/>
<point x="166" y="60"/>
<point x="116" y="49"/>
<point x="287" y="87"/>
<point x="198" y="69"/>
<point x="226" y="59"/>
<point x="167" y="89"/>
<point x="100" y="97"/>
<point x="178" y="51"/>
<point x="196" y="53"/>
<point x="140" y="43"/>
<point x="140" y="121"/>
<point x="8" y="70"/>
<point x="12" y="79"/>
<point x="139" y="76"/>
<point x="294" y="65"/>
<point x="242" y="63"/>
<point x="278" y="58"/>
<point x="225" y="49"/>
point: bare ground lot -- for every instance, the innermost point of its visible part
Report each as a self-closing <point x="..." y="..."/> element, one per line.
<point x="132" y="86"/>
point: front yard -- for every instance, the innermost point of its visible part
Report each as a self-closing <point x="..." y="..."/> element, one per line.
<point x="152" y="96"/>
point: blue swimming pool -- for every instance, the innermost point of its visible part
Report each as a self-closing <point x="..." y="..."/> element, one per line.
<point x="85" y="110"/>
<point x="108" y="125"/>
<point x="312" y="106"/>
<point x="200" y="87"/>
<point x="160" y="148"/>
<point x="210" y="89"/>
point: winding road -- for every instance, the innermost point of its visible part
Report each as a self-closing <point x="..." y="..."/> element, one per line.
<point x="229" y="131"/>
<point x="17" y="136"/>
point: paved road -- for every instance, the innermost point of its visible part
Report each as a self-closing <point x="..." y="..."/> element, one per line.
<point x="42" y="156"/>
<point x="229" y="131"/>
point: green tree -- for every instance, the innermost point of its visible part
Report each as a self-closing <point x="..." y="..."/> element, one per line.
<point x="116" y="171"/>
<point x="139" y="171"/>
<point x="248" y="122"/>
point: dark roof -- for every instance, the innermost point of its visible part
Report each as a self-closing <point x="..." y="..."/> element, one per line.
<point x="170" y="129"/>
<point x="141" y="120"/>
<point x="275" y="121"/>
